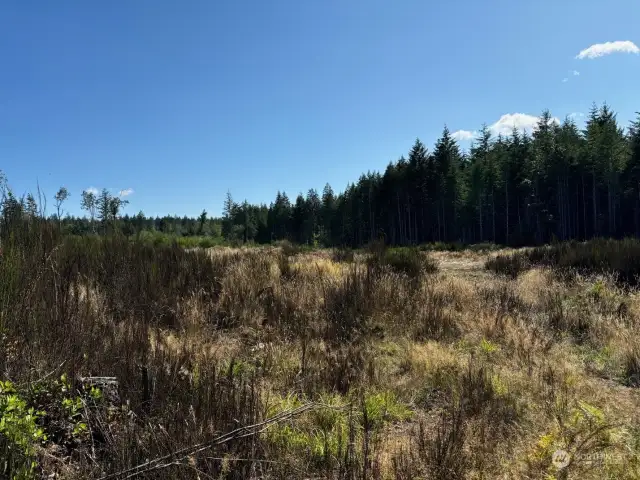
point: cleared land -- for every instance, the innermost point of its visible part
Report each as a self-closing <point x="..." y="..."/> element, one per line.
<point x="459" y="373"/>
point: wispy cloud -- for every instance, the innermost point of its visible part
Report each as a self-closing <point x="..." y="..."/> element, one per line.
<point x="574" y="73"/>
<point x="126" y="192"/>
<point x="576" y="115"/>
<point x="93" y="190"/>
<point x="602" y="49"/>
<point x="504" y="126"/>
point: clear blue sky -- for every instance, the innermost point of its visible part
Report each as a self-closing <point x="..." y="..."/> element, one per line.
<point x="182" y="101"/>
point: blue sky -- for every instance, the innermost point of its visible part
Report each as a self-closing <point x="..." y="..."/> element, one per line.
<point x="181" y="101"/>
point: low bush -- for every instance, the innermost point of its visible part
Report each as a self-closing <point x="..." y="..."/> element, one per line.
<point x="620" y="258"/>
<point x="484" y="247"/>
<point x="166" y="239"/>
<point x="288" y="248"/>
<point x="342" y="255"/>
<point x="348" y="306"/>
<point x="442" y="247"/>
<point x="510" y="265"/>
<point x="405" y="260"/>
<point x="632" y="365"/>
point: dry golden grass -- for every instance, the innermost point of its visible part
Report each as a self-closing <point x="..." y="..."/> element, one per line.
<point x="501" y="325"/>
<point x="454" y="374"/>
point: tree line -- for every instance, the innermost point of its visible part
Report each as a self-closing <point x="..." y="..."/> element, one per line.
<point x="559" y="182"/>
<point x="103" y="214"/>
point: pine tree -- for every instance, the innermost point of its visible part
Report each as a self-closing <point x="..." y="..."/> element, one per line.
<point x="201" y="222"/>
<point x="447" y="162"/>
<point x="228" y="217"/>
<point x="631" y="177"/>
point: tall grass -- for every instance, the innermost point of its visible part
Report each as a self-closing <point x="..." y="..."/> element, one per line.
<point x="599" y="256"/>
<point x="117" y="351"/>
<point x="73" y="309"/>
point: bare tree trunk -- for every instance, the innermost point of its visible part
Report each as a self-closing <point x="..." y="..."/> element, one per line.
<point x="506" y="188"/>
<point x="493" y="214"/>
<point x="595" y="207"/>
<point x="584" y="210"/>
<point x="444" y="222"/>
<point x="399" y="218"/>
<point x="480" y="215"/>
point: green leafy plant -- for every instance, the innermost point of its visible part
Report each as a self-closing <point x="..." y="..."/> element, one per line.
<point x="19" y="434"/>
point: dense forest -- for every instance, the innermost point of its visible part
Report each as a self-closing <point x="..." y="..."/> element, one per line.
<point x="559" y="182"/>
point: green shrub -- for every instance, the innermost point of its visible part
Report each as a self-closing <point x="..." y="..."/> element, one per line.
<point x="19" y="434"/>
<point x="483" y="247"/>
<point x="383" y="407"/>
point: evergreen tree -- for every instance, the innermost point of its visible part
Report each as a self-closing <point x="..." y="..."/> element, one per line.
<point x="228" y="217"/>
<point x="631" y="178"/>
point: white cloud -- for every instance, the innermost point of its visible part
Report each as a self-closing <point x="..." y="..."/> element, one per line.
<point x="565" y="80"/>
<point x="504" y="126"/>
<point x="463" y="135"/>
<point x="576" y="115"/>
<point x="126" y="192"/>
<point x="576" y="73"/>
<point x="601" y="49"/>
<point x="521" y="121"/>
<point x="93" y="190"/>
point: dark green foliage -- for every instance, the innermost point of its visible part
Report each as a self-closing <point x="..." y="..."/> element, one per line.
<point x="484" y="247"/>
<point x="513" y="190"/>
<point x="442" y="247"/>
<point x="557" y="183"/>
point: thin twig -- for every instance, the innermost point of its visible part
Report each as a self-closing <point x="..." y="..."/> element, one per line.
<point x="43" y="378"/>
<point x="182" y="454"/>
<point x="86" y="413"/>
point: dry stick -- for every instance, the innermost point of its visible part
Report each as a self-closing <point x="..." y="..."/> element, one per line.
<point x="241" y="432"/>
<point x="43" y="378"/>
<point x="189" y="451"/>
<point x="86" y="414"/>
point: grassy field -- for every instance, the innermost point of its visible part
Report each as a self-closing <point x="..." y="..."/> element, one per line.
<point x="124" y="360"/>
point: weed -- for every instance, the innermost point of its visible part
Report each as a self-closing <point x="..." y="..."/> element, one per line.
<point x="342" y="255"/>
<point x="407" y="261"/>
<point x="509" y="265"/>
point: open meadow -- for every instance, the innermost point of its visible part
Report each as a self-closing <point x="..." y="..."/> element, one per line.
<point x="125" y="360"/>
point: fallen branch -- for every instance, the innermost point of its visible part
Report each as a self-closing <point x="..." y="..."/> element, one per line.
<point x="176" y="457"/>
